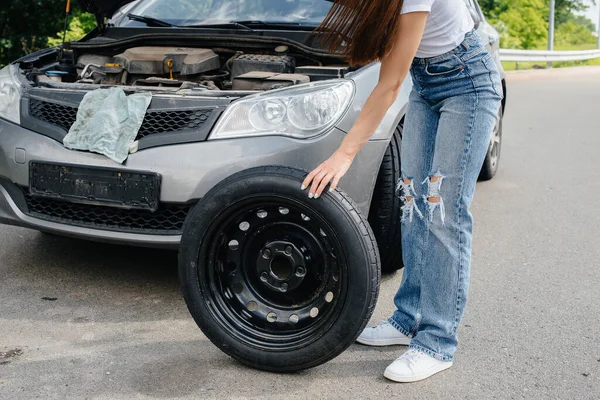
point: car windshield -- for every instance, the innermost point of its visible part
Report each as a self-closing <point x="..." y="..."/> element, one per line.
<point x="207" y="12"/>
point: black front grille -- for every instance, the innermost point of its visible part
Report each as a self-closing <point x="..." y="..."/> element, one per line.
<point x="154" y="121"/>
<point x="167" y="220"/>
<point x="173" y="121"/>
<point x="53" y="113"/>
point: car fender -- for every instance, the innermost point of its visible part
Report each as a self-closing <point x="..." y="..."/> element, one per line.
<point x="365" y="80"/>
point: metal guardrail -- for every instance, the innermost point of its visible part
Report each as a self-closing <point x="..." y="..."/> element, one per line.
<point x="548" y="56"/>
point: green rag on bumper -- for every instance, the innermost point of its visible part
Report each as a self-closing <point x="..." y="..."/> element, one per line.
<point x="108" y="122"/>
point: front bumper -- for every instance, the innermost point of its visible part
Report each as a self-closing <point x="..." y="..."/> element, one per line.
<point x="188" y="172"/>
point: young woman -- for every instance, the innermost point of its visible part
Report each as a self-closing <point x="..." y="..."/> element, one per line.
<point x="451" y="114"/>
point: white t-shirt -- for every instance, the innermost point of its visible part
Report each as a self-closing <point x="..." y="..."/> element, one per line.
<point x="447" y="24"/>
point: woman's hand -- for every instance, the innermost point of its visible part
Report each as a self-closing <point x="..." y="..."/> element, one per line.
<point x="331" y="171"/>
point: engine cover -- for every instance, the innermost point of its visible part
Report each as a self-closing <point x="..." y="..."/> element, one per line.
<point x="155" y="60"/>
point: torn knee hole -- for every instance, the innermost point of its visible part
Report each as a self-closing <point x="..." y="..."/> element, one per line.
<point x="433" y="198"/>
<point x="408" y="194"/>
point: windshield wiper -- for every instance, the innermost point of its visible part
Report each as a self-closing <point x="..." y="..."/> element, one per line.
<point x="273" y="24"/>
<point x="252" y="25"/>
<point x="149" y="20"/>
<point x="249" y="22"/>
<point x="232" y="24"/>
<point x="276" y="24"/>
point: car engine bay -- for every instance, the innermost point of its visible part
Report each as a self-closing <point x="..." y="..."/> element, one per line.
<point x="176" y="69"/>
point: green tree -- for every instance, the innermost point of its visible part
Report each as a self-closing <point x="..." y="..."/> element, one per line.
<point x="493" y="8"/>
<point x="80" y="24"/>
<point x="573" y="34"/>
<point x="521" y="23"/>
<point x="565" y="9"/>
<point x="583" y="21"/>
<point x="25" y="26"/>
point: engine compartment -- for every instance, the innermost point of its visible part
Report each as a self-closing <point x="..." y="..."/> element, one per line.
<point x="173" y="69"/>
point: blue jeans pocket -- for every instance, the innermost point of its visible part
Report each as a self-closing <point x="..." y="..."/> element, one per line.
<point x="447" y="68"/>
<point x="490" y="66"/>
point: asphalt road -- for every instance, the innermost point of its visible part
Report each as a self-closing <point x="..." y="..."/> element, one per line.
<point x="113" y="325"/>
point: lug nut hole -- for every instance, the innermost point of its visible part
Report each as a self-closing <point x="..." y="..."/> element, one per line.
<point x="264" y="277"/>
<point x="267" y="254"/>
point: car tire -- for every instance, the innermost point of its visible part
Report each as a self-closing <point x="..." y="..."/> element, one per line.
<point x="274" y="279"/>
<point x="492" y="159"/>
<point x="386" y="207"/>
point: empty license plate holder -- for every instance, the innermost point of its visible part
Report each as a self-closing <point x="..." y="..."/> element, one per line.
<point x="95" y="185"/>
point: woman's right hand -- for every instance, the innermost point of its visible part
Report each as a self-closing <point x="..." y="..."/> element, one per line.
<point x="330" y="171"/>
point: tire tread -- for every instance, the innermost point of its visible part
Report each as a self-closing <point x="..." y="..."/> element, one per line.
<point x="384" y="216"/>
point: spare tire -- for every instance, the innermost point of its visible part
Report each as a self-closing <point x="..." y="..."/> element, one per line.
<point x="276" y="280"/>
<point x="386" y="207"/>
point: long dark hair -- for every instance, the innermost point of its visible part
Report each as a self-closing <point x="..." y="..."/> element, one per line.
<point x="361" y="30"/>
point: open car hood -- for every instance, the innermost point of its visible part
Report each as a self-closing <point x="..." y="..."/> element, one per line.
<point x="102" y="8"/>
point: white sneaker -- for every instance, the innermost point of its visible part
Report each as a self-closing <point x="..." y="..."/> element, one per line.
<point x="414" y="366"/>
<point x="383" y="334"/>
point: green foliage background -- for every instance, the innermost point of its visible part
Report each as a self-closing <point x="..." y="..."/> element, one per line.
<point x="30" y="25"/>
<point x="523" y="24"/>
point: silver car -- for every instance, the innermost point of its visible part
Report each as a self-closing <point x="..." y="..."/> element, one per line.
<point x="244" y="102"/>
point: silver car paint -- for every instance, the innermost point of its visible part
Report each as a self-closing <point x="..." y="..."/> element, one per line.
<point x="365" y="80"/>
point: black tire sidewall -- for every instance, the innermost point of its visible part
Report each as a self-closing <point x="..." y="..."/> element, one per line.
<point x="388" y="229"/>
<point x="361" y="260"/>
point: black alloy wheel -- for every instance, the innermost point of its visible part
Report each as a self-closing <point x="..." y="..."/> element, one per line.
<point x="276" y="280"/>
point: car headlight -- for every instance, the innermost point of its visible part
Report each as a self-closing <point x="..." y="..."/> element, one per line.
<point x="10" y="95"/>
<point x="301" y="112"/>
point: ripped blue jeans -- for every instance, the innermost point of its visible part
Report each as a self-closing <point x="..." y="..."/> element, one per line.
<point x="449" y="123"/>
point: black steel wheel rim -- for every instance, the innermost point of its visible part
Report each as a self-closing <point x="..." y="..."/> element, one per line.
<point x="275" y="274"/>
